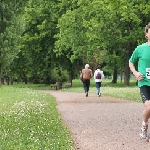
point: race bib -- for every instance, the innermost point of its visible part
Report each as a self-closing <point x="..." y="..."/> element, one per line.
<point x="148" y="73"/>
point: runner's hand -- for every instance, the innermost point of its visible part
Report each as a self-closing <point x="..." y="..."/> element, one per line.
<point x="138" y="76"/>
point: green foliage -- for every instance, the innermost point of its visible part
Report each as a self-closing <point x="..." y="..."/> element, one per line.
<point x="59" y="75"/>
<point x="38" y="38"/>
<point x="114" y="27"/>
<point x="11" y="27"/>
<point x="43" y="34"/>
<point x="9" y="39"/>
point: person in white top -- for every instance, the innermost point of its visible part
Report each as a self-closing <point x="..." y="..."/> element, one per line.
<point x="98" y="76"/>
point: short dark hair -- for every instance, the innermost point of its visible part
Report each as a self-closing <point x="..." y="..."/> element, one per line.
<point x="147" y="27"/>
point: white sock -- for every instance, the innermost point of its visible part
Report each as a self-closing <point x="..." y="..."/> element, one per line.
<point x="144" y="123"/>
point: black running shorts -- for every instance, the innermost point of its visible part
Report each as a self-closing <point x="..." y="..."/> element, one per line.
<point x="145" y="93"/>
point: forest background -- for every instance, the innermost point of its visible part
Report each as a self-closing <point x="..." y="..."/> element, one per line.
<point x="45" y="41"/>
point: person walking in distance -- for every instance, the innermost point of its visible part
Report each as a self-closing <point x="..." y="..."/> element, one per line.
<point x="141" y="54"/>
<point x="85" y="76"/>
<point x="98" y="76"/>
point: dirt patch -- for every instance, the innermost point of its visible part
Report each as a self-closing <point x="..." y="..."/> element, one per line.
<point x="101" y="123"/>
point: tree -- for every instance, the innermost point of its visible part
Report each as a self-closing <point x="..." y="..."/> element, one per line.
<point x="114" y="27"/>
<point x="10" y="29"/>
<point x="38" y="39"/>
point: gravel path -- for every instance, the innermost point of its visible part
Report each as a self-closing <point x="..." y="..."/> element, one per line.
<point x="101" y="123"/>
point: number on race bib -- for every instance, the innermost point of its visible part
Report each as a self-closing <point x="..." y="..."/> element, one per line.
<point x="148" y="73"/>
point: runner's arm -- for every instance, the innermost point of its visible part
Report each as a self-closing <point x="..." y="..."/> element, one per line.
<point x="137" y="74"/>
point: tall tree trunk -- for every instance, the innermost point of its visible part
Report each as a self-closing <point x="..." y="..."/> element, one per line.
<point x="70" y="78"/>
<point x="25" y="78"/>
<point x="127" y="69"/>
<point x="121" y="77"/>
<point x="70" y="73"/>
<point x="126" y="74"/>
<point x="0" y="81"/>
<point x="0" y="75"/>
<point x="47" y="81"/>
<point x="115" y="73"/>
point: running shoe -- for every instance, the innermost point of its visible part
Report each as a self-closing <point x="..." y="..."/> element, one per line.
<point x="99" y="94"/>
<point x="86" y="94"/>
<point x="143" y="133"/>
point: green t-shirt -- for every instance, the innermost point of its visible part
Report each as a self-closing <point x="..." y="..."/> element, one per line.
<point x="142" y="55"/>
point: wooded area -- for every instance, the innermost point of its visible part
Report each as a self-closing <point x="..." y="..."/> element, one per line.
<point x="45" y="41"/>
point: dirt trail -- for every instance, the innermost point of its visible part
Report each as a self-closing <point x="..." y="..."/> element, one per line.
<point x="101" y="123"/>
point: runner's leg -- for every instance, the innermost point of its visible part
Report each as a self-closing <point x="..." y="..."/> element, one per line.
<point x="145" y="94"/>
<point x="97" y="87"/>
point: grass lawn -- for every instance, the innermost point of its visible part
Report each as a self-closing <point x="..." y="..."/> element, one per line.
<point x="29" y="120"/>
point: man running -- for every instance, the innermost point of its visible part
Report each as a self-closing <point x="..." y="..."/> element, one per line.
<point x="141" y="54"/>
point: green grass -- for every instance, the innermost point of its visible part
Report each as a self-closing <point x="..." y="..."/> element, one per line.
<point x="108" y="89"/>
<point x="29" y="120"/>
